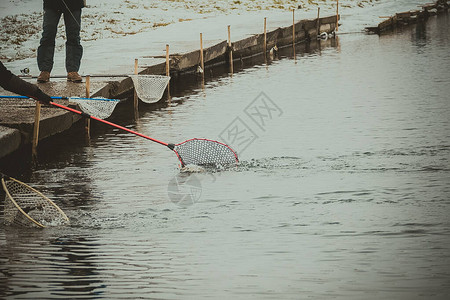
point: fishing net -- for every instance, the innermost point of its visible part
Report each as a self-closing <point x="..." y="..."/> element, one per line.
<point x="150" y="88"/>
<point x="27" y="207"/>
<point x="204" y="152"/>
<point x="101" y="108"/>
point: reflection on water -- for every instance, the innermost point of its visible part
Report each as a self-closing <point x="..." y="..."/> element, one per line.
<point x="343" y="195"/>
<point x="42" y="265"/>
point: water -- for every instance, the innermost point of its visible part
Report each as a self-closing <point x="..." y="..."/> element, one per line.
<point x="342" y="193"/>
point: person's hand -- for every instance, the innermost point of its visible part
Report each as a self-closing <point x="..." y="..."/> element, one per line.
<point x="43" y="97"/>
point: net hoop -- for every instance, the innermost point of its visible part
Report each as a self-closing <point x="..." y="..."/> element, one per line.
<point x="150" y="88"/>
<point x="8" y="211"/>
<point x="101" y="108"/>
<point x="205" y="152"/>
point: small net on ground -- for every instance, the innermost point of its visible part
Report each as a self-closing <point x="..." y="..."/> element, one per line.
<point x="27" y="207"/>
<point x="150" y="88"/>
<point x="101" y="108"/>
<point x="204" y="152"/>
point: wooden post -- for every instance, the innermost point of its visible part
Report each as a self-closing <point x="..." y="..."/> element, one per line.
<point x="202" y="64"/>
<point x="88" y="95"/>
<point x="168" y="69"/>
<point x="318" y="21"/>
<point x="88" y="86"/>
<point x="167" y="61"/>
<point x="135" y="93"/>
<point x="230" y="49"/>
<point x="37" y="117"/>
<point x="265" y="36"/>
<point x="293" y="27"/>
<point x="337" y="15"/>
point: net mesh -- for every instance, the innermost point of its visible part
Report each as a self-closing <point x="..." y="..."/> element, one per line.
<point x="150" y="88"/>
<point x="204" y="152"/>
<point x="25" y="206"/>
<point x="101" y="108"/>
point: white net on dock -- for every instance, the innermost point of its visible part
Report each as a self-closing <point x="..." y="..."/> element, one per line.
<point x="101" y="108"/>
<point x="150" y="88"/>
<point x="27" y="207"/>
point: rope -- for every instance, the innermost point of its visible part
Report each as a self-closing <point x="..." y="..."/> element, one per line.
<point x="71" y="14"/>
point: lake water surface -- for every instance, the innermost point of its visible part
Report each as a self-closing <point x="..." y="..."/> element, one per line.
<point x="342" y="192"/>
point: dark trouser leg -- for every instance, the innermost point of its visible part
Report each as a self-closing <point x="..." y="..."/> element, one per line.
<point x="46" y="49"/>
<point x="74" y="50"/>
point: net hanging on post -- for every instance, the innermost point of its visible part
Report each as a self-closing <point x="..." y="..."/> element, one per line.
<point x="150" y="88"/>
<point x="27" y="207"/>
<point x="101" y="108"/>
<point x="204" y="152"/>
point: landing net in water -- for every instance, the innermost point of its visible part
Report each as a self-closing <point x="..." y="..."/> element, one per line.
<point x="206" y="153"/>
<point x="27" y="207"/>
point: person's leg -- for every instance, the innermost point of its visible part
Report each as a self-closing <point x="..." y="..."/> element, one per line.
<point x="46" y="49"/>
<point x="74" y="50"/>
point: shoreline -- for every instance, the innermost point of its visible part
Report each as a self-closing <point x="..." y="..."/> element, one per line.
<point x="16" y="125"/>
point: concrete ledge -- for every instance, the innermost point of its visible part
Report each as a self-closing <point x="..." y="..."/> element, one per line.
<point x="17" y="122"/>
<point x="56" y="123"/>
<point x="10" y="140"/>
